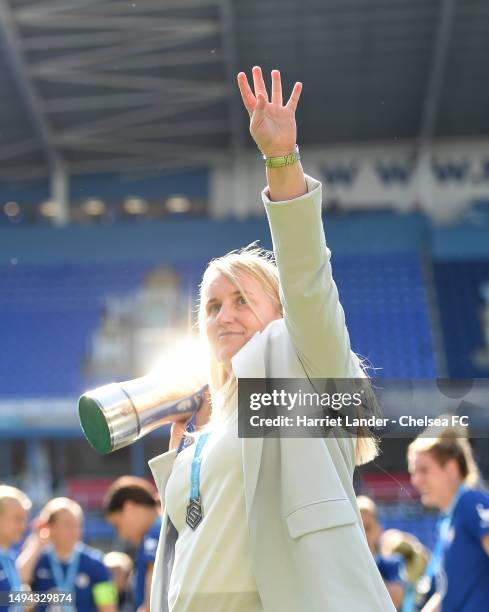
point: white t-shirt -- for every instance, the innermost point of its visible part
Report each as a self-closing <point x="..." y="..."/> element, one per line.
<point x="212" y="567"/>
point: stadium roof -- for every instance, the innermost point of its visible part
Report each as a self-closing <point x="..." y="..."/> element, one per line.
<point x="116" y="85"/>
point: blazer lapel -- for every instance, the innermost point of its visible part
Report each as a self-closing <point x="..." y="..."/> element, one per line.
<point x="249" y="362"/>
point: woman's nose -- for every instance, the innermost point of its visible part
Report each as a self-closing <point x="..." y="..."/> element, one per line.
<point x="225" y="314"/>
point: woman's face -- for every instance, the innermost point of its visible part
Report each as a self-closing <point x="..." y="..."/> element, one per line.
<point x="13" y="522"/>
<point x="130" y="522"/>
<point x="66" y="529"/>
<point x="435" y="483"/>
<point x="229" y="319"/>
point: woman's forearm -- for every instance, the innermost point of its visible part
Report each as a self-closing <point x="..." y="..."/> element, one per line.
<point x="312" y="310"/>
<point x="28" y="558"/>
<point x="286" y="183"/>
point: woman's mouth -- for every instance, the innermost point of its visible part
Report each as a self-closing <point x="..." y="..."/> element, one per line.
<point x="224" y="335"/>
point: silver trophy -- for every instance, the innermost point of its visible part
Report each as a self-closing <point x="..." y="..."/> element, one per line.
<point x="118" y="414"/>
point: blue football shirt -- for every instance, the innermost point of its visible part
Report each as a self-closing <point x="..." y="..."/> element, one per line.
<point x="463" y="579"/>
<point x="390" y="567"/>
<point x="8" y="574"/>
<point x="92" y="573"/>
<point x="146" y="555"/>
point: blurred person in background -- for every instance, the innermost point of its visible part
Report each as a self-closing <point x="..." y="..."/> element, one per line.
<point x="132" y="507"/>
<point x="254" y="524"/>
<point x="416" y="557"/>
<point x="444" y="472"/>
<point x="14" y="509"/>
<point x="391" y="567"/>
<point x="121" y="567"/>
<point x="55" y="558"/>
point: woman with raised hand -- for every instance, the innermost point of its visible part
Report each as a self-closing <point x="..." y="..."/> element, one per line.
<point x="268" y="524"/>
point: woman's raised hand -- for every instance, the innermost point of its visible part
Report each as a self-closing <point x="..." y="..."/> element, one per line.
<point x="272" y="124"/>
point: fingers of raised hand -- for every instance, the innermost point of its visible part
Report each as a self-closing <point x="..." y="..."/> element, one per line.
<point x="276" y="88"/>
<point x="253" y="99"/>
<point x="41" y="529"/>
<point x="259" y="83"/>
<point x="294" y="97"/>
<point x="247" y="95"/>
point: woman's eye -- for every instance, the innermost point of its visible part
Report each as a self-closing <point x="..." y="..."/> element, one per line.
<point x="212" y="308"/>
<point x="242" y="300"/>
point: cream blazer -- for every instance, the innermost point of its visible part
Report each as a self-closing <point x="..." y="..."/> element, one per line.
<point x="309" y="550"/>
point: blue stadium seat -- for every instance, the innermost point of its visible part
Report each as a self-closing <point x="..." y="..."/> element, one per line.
<point x="48" y="314"/>
<point x="458" y="288"/>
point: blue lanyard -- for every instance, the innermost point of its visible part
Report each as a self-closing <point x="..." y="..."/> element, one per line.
<point x="65" y="583"/>
<point x="442" y="541"/>
<point x="409" y="601"/>
<point x="8" y="566"/>
<point x="196" y="462"/>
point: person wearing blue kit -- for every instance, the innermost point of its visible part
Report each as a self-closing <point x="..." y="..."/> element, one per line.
<point x="121" y="566"/>
<point x="443" y="471"/>
<point x="415" y="556"/>
<point x="391" y="567"/>
<point x="55" y="559"/>
<point x="132" y="507"/>
<point x="14" y="508"/>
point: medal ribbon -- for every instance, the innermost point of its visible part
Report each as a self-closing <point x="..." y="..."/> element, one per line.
<point x="442" y="541"/>
<point x="8" y="566"/>
<point x="194" y="508"/>
<point x="65" y="583"/>
<point x="196" y="462"/>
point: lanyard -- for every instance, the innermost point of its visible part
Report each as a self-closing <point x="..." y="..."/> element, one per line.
<point x="443" y="534"/>
<point x="65" y="583"/>
<point x="409" y="601"/>
<point x="8" y="566"/>
<point x="194" y="508"/>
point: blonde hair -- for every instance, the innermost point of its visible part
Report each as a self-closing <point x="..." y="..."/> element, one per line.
<point x="450" y="443"/>
<point x="56" y="505"/>
<point x="8" y="493"/>
<point x="259" y="264"/>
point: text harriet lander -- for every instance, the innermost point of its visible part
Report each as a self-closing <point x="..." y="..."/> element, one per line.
<point x="300" y="420"/>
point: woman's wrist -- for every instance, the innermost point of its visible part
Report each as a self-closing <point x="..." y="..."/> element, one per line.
<point x="287" y="159"/>
<point x="279" y="151"/>
<point x="286" y="183"/>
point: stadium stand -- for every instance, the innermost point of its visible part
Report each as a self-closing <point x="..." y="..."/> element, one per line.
<point x="463" y="313"/>
<point x="48" y="313"/>
<point x="384" y="300"/>
<point x="376" y="261"/>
